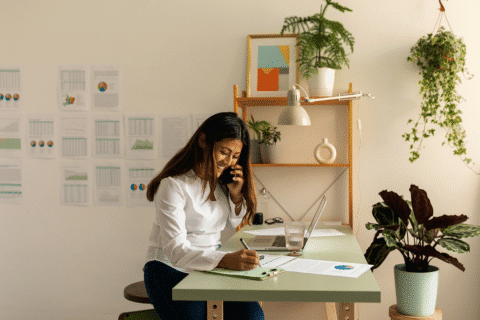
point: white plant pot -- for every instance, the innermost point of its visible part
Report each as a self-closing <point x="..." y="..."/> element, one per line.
<point x="416" y="292"/>
<point x="255" y="151"/>
<point x="270" y="153"/>
<point x="321" y="84"/>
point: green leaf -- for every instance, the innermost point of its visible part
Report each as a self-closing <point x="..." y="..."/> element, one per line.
<point x="371" y="226"/>
<point x="390" y="238"/>
<point x="384" y="215"/>
<point x="454" y="245"/>
<point x="462" y="231"/>
<point x="377" y="252"/>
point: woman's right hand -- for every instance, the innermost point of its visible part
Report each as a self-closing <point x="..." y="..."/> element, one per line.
<point x="240" y="260"/>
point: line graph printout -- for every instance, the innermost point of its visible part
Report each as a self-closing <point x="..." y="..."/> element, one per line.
<point x="75" y="184"/>
<point x="11" y="97"/>
<point x="72" y="88"/>
<point x="11" y="182"/>
<point x="141" y="143"/>
<point x="106" y="88"/>
<point x="41" y="136"/>
<point x="74" y="136"/>
<point x="107" y="136"/>
<point x="175" y="133"/>
<point x="108" y="184"/>
<point x="11" y="136"/>
<point x="139" y="175"/>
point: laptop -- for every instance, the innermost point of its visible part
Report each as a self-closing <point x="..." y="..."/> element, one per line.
<point x="277" y="243"/>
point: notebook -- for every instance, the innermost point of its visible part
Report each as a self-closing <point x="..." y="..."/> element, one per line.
<point x="278" y="243"/>
<point x="254" y="274"/>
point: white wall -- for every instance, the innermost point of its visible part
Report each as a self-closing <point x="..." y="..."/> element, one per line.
<point x="59" y="262"/>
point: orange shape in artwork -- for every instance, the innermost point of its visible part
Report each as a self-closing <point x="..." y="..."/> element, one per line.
<point x="267" y="81"/>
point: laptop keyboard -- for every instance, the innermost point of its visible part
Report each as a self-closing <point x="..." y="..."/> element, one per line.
<point x="279" y="242"/>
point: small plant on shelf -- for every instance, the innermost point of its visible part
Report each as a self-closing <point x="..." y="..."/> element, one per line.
<point x="269" y="135"/>
<point x="257" y="126"/>
<point x="321" y="41"/>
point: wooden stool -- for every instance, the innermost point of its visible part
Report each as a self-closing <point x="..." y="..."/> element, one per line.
<point x="136" y="292"/>
<point x="396" y="315"/>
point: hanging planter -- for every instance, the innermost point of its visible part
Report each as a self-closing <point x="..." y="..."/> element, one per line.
<point x="440" y="58"/>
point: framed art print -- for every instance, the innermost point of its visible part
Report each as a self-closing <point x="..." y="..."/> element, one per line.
<point x="272" y="64"/>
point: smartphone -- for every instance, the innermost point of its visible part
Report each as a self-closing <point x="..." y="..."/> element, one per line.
<point x="226" y="177"/>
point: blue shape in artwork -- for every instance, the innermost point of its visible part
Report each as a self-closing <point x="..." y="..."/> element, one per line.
<point x="343" y="267"/>
<point x="271" y="57"/>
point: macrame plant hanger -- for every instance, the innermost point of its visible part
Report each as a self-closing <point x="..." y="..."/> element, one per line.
<point x="441" y="15"/>
<point x="472" y="166"/>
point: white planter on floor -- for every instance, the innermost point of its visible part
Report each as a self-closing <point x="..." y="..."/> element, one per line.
<point x="321" y="84"/>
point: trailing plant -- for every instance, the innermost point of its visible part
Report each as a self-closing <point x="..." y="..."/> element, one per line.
<point x="321" y="41"/>
<point x="409" y="227"/>
<point x="440" y="58"/>
<point x="257" y="126"/>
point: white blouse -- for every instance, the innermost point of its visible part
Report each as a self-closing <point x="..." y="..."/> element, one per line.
<point x="186" y="231"/>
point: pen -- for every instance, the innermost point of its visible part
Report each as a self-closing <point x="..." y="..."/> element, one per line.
<point x="246" y="247"/>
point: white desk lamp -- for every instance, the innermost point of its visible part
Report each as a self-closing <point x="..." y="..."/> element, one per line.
<point x="296" y="115"/>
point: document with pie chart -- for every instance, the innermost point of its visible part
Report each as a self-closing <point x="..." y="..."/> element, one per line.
<point x="106" y="88"/>
<point x="139" y="175"/>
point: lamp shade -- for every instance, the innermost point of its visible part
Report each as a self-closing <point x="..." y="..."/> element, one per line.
<point x="294" y="114"/>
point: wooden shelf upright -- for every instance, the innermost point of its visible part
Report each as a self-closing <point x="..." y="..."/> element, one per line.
<point x="243" y="102"/>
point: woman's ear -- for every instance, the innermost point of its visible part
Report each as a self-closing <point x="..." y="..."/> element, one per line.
<point x="201" y="140"/>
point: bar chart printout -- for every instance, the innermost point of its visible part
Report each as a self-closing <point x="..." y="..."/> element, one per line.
<point x="11" y="182"/>
<point x="11" y="136"/>
<point x="76" y="184"/>
<point x="11" y="96"/>
<point x="141" y="142"/>
<point x="41" y="136"/>
<point x="139" y="176"/>
<point x="108" y="185"/>
<point x="74" y="136"/>
<point x="108" y="136"/>
<point x="72" y="88"/>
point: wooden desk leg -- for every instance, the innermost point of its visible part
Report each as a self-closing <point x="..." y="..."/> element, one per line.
<point x="214" y="310"/>
<point x="331" y="311"/>
<point x="347" y="311"/>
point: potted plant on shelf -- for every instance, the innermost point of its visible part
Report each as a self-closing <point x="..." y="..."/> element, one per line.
<point x="321" y="42"/>
<point x="257" y="127"/>
<point x="440" y="58"/>
<point x="269" y="150"/>
<point x="409" y="227"/>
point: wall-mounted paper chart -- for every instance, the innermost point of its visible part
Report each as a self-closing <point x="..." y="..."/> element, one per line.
<point x="74" y="136"/>
<point x="11" y="136"/>
<point x="175" y="133"/>
<point x="75" y="184"/>
<point x="108" y="136"/>
<point x="108" y="182"/>
<point x="11" y="182"/>
<point x="72" y="88"/>
<point x="139" y="175"/>
<point x="106" y="88"/>
<point x="11" y="96"/>
<point x="41" y="136"/>
<point x="141" y="142"/>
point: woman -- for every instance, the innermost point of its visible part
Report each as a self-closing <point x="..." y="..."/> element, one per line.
<point x="192" y="208"/>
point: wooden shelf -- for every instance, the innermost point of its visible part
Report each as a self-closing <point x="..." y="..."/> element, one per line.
<point x="282" y="101"/>
<point x="243" y="102"/>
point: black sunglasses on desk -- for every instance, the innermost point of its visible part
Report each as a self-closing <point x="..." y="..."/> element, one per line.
<point x="274" y="220"/>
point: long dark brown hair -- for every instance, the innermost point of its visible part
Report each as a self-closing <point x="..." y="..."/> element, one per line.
<point x="220" y="126"/>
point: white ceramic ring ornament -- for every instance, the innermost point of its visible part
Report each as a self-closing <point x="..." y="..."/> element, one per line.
<point x="325" y="152"/>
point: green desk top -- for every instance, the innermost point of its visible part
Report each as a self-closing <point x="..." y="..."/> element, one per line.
<point x="288" y="286"/>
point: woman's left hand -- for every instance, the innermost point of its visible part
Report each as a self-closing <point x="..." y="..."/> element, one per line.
<point x="237" y="185"/>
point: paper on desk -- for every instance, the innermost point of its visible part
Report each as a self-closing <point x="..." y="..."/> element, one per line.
<point x="273" y="261"/>
<point x="281" y="232"/>
<point x="327" y="268"/>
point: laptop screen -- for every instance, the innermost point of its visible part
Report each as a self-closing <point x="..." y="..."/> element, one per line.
<point x="320" y="208"/>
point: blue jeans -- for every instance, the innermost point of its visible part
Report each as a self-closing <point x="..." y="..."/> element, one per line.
<point x="159" y="282"/>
